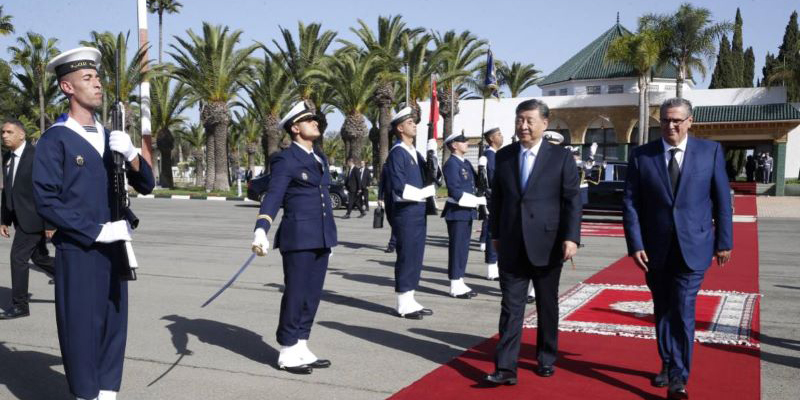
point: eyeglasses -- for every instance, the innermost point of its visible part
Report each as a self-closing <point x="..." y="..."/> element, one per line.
<point x="667" y="121"/>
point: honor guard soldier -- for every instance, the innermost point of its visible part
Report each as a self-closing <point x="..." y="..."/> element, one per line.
<point x="72" y="175"/>
<point x="405" y="198"/>
<point x="299" y="184"/>
<point x="459" y="211"/>
<point x="494" y="140"/>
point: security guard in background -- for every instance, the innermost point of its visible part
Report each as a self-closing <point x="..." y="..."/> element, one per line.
<point x="72" y="175"/>
<point x="299" y="184"/>
<point x="494" y="140"/>
<point x="405" y="199"/>
<point x="459" y="211"/>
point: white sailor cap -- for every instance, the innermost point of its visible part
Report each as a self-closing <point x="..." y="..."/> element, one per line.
<point x="554" y="137"/>
<point x="402" y="115"/>
<point x="491" y="132"/>
<point x="73" y="60"/>
<point x="455" y="138"/>
<point x="299" y="112"/>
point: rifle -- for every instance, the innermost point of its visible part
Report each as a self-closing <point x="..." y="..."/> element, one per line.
<point x="120" y="203"/>
<point x="482" y="187"/>
<point x="431" y="169"/>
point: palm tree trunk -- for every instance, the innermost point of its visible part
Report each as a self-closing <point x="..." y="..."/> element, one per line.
<point x="642" y="109"/>
<point x="165" y="143"/>
<point x="210" y="160"/>
<point x="160" y="34"/>
<point x="198" y="166"/>
<point x="354" y="130"/>
<point x="679" y="80"/>
<point x="41" y="105"/>
<point x="221" y="182"/>
<point x="445" y="100"/>
<point x="270" y="138"/>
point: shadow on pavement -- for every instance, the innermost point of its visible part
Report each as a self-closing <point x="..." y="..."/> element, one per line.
<point x="29" y="375"/>
<point x="230" y="337"/>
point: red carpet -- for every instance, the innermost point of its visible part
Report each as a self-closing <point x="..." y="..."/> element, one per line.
<point x="608" y="229"/>
<point x="602" y="366"/>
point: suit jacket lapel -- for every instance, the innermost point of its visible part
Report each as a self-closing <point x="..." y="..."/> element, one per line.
<point x="515" y="168"/>
<point x="659" y="157"/>
<point x="688" y="165"/>
<point x="538" y="164"/>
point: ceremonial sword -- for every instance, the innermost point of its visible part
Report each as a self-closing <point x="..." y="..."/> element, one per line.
<point x="230" y="282"/>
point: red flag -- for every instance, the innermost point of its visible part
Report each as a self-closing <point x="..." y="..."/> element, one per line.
<point x="434" y="117"/>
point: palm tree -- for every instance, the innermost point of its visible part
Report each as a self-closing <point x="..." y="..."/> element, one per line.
<point x="518" y="77"/>
<point x="268" y="94"/>
<point x="459" y="53"/>
<point x="352" y="76"/>
<point x="388" y="46"/>
<point x="33" y="54"/>
<point x="25" y="89"/>
<point x="131" y="74"/>
<point x="214" y="69"/>
<point x="248" y="130"/>
<point x="300" y="57"/>
<point x="639" y="51"/>
<point x="160" y="7"/>
<point x="166" y="105"/>
<point x="685" y="37"/>
<point x="421" y="63"/>
<point x="6" y="27"/>
<point x="195" y="137"/>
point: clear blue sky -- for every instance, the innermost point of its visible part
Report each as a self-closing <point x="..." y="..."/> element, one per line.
<point x="544" y="33"/>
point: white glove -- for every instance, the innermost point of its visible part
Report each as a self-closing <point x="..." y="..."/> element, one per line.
<point x="432" y="145"/>
<point x="481" y="201"/>
<point x="120" y="142"/>
<point x="114" y="232"/>
<point x="482" y="162"/>
<point x="260" y="243"/>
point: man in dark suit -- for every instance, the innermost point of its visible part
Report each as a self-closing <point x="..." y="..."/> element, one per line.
<point x="18" y="208"/>
<point x="353" y="185"/>
<point x="366" y="179"/>
<point x="677" y="217"/>
<point x="494" y="140"/>
<point x="307" y="232"/>
<point x="535" y="227"/>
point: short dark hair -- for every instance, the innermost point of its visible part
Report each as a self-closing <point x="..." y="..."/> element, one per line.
<point x="676" y="102"/>
<point x="15" y="122"/>
<point x="534" y="104"/>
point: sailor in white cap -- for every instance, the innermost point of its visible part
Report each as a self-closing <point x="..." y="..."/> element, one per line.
<point x="553" y="137"/>
<point x="494" y="140"/>
<point x="459" y="211"/>
<point x="405" y="198"/>
<point x="72" y="174"/>
<point x="299" y="185"/>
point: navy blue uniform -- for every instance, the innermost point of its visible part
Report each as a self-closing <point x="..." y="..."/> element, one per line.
<point x="460" y="178"/>
<point x="382" y="190"/>
<point x="299" y="184"/>
<point x="490" y="255"/>
<point x="72" y="191"/>
<point x="408" y="218"/>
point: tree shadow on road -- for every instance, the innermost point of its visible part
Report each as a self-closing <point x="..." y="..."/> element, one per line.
<point x="29" y="375"/>
<point x="334" y="297"/>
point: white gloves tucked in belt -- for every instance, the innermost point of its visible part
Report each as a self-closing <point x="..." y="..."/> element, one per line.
<point x="120" y="142"/>
<point x="483" y="161"/>
<point x="114" y="232"/>
<point x="260" y="243"/>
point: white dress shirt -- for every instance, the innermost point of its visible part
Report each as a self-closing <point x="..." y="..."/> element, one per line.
<point x="17" y="156"/>
<point x="678" y="155"/>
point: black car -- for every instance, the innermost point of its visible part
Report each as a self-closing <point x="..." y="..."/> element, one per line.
<point x="606" y="186"/>
<point x="257" y="186"/>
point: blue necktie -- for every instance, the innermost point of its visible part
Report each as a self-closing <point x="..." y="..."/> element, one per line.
<point x="525" y="168"/>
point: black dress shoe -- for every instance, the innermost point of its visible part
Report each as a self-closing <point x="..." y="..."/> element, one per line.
<point x="346" y="216"/>
<point x="546" y="371"/>
<point x="426" y="311"/>
<point x="320" y="364"/>
<point x="467" y="295"/>
<point x="662" y="379"/>
<point x="304" y="369"/>
<point x="677" y="390"/>
<point x="501" y="377"/>
<point x="530" y="300"/>
<point x="389" y="249"/>
<point x="362" y="215"/>
<point x="15" y="312"/>
<point x="51" y="282"/>
<point x="411" y="315"/>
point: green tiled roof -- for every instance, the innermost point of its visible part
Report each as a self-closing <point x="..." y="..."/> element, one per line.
<point x="590" y="62"/>
<point x="760" y="112"/>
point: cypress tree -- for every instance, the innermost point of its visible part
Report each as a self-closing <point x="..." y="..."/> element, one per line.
<point x="786" y="59"/>
<point x="736" y="77"/>
<point x="721" y="78"/>
<point x="749" y="71"/>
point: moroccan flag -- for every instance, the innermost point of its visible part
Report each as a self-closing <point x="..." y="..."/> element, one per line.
<point x="491" y="78"/>
<point x="433" y="119"/>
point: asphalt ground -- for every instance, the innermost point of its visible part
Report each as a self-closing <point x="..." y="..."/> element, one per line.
<point x="187" y="249"/>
